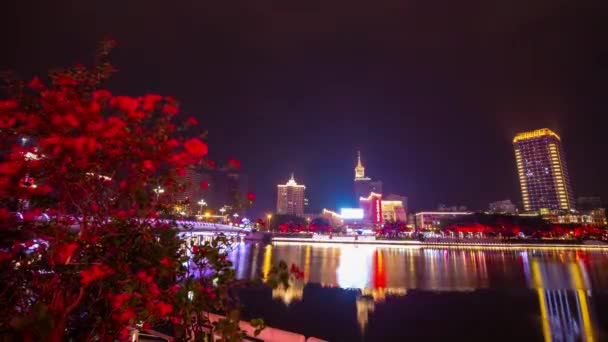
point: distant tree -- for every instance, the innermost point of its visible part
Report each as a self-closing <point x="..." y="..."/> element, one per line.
<point x="290" y="220"/>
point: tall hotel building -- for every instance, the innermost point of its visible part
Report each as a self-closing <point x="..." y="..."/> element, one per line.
<point x="290" y="198"/>
<point x="543" y="175"/>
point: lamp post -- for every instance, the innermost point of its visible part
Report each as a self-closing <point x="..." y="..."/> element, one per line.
<point x="202" y="203"/>
<point x="268" y="217"/>
<point x="158" y="190"/>
<point x="223" y="210"/>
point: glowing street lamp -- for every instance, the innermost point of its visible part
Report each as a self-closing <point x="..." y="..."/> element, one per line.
<point x="268" y="217"/>
<point x="158" y="190"/>
<point x="223" y="210"/>
<point x="202" y="203"/>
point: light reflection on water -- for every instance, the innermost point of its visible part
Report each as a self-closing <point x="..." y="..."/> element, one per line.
<point x="562" y="279"/>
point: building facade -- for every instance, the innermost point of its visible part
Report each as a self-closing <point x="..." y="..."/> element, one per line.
<point x="290" y="198"/>
<point x="502" y="207"/>
<point x="434" y="219"/>
<point x="364" y="185"/>
<point x="542" y="171"/>
<point x="394" y="208"/>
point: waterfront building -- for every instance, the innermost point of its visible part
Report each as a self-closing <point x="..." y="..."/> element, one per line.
<point x="542" y="171"/>
<point x="185" y="201"/>
<point x="443" y="207"/>
<point x="434" y="219"/>
<point x="226" y="189"/>
<point x="290" y="198"/>
<point x="594" y="218"/>
<point x="364" y="185"/>
<point x="372" y="208"/>
<point x="377" y="210"/>
<point x="503" y="207"/>
<point x="394" y="208"/>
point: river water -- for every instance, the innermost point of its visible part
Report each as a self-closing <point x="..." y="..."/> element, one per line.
<point x="369" y="293"/>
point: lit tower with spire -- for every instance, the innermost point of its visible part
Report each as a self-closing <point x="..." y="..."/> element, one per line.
<point x="290" y="198"/>
<point x="364" y="185"/>
<point x="360" y="170"/>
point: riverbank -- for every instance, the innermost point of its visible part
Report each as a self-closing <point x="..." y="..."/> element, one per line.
<point x="442" y="244"/>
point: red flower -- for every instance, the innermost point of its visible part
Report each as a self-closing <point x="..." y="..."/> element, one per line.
<point x="204" y="185"/>
<point x="5" y="214"/>
<point x="101" y="94"/>
<point x="94" y="207"/>
<point x="170" y="109"/>
<point x="195" y="147"/>
<point x="36" y="84"/>
<point x="165" y="261"/>
<point x="172" y="143"/>
<point x="8" y="104"/>
<point x="64" y="253"/>
<point x="211" y="163"/>
<point x="94" y="273"/>
<point x="126" y="315"/>
<point x="163" y="309"/>
<point x="149" y="102"/>
<point x="234" y="163"/>
<point x="7" y="122"/>
<point x="71" y="120"/>
<point x="148" y="165"/>
<point x="251" y="196"/>
<point x="119" y="299"/>
<point x="195" y="249"/>
<point x="29" y="243"/>
<point x="65" y="81"/>
<point x="126" y="104"/>
<point x="192" y="121"/>
<point x="10" y="168"/>
<point x="32" y="214"/>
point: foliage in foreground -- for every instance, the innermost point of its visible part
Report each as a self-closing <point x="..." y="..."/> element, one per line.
<point x="89" y="258"/>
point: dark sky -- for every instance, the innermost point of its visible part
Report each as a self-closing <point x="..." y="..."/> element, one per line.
<point x="431" y="92"/>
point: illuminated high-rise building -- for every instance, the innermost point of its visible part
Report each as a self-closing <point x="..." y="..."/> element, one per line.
<point x="543" y="175"/>
<point x="290" y="198"/>
<point x="364" y="185"/>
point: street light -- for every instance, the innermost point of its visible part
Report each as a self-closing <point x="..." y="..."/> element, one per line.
<point x="268" y="217"/>
<point x="158" y="190"/>
<point x="223" y="210"/>
<point x="202" y="203"/>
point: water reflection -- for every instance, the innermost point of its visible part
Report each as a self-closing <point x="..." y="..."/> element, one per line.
<point x="562" y="280"/>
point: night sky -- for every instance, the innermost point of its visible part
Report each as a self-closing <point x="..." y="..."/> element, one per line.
<point x="431" y="92"/>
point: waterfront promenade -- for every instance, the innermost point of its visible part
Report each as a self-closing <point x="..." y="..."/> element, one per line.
<point x="443" y="242"/>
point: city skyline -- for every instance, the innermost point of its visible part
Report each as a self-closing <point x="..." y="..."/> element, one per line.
<point x="431" y="99"/>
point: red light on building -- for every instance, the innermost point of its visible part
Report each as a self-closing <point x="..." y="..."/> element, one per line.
<point x="377" y="211"/>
